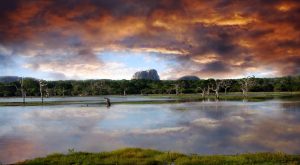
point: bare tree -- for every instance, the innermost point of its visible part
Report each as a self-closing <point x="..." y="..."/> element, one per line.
<point x="226" y="84"/>
<point x="246" y="84"/>
<point x="23" y="91"/>
<point x="202" y="87"/>
<point x="215" y="86"/>
<point x="124" y="92"/>
<point x="42" y="86"/>
<point x="177" y="88"/>
<point x="209" y="88"/>
<point x="169" y="90"/>
<point x="203" y="91"/>
<point x="63" y="91"/>
<point x="47" y="92"/>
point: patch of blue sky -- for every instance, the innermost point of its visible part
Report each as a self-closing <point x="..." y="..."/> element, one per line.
<point x="19" y="69"/>
<point x="262" y="72"/>
<point x="136" y="60"/>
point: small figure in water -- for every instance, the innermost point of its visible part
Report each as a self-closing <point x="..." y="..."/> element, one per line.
<point x="107" y="101"/>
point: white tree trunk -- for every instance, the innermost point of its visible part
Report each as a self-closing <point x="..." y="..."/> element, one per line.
<point x="23" y="91"/>
<point x="217" y="94"/>
<point x="244" y="93"/>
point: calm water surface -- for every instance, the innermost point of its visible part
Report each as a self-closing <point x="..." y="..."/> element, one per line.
<point x="195" y="127"/>
<point x="88" y="99"/>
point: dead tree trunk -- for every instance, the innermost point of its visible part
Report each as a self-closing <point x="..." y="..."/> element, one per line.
<point x="245" y="94"/>
<point x="177" y="89"/>
<point x="63" y="91"/>
<point x="226" y="84"/>
<point x="208" y="90"/>
<point x="47" y="92"/>
<point x="225" y="90"/>
<point x="216" y="93"/>
<point x="42" y="85"/>
<point x="203" y="91"/>
<point x="216" y="88"/>
<point x="169" y="91"/>
<point x="246" y="83"/>
<point x="23" y="91"/>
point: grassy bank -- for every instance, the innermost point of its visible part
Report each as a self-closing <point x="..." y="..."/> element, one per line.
<point x="237" y="95"/>
<point x="133" y="156"/>
<point x="253" y="96"/>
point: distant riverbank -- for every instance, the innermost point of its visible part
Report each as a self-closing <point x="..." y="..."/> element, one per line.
<point x="149" y="156"/>
<point x="142" y="99"/>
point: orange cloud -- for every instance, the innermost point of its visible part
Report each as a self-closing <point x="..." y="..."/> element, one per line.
<point x="206" y="35"/>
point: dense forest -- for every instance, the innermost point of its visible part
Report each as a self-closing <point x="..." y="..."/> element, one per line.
<point x="32" y="87"/>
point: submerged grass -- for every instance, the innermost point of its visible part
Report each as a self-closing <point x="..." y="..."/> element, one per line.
<point x="133" y="156"/>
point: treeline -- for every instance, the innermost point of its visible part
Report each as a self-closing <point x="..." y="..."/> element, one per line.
<point x="32" y="87"/>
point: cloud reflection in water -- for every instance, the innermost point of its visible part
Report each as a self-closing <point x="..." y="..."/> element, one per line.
<point x="205" y="128"/>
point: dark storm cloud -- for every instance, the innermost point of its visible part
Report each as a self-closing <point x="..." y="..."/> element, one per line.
<point x="292" y="65"/>
<point x="259" y="33"/>
<point x="289" y="43"/>
<point x="217" y="66"/>
<point x="213" y="36"/>
<point x="217" y="40"/>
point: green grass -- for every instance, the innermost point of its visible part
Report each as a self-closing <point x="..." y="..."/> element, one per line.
<point x="133" y="156"/>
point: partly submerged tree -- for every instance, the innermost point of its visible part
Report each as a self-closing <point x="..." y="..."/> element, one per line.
<point x="179" y="87"/>
<point x="23" y="90"/>
<point x="42" y="84"/>
<point x="226" y="84"/>
<point x="215" y="85"/>
<point x="246" y="83"/>
<point x="202" y="86"/>
<point x="27" y="85"/>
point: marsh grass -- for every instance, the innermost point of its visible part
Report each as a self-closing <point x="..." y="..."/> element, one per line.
<point x="133" y="156"/>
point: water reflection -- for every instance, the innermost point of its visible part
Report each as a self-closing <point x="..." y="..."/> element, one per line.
<point x="198" y="127"/>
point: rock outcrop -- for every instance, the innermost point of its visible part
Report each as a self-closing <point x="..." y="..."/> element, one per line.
<point x="147" y="75"/>
<point x="189" y="78"/>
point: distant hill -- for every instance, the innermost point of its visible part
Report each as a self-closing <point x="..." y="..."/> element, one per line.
<point x="189" y="78"/>
<point x="7" y="79"/>
<point x="147" y="75"/>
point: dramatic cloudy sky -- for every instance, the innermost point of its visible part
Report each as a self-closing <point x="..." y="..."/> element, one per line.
<point x="83" y="39"/>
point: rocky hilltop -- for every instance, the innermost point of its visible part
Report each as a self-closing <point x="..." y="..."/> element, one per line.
<point x="147" y="74"/>
<point x="189" y="78"/>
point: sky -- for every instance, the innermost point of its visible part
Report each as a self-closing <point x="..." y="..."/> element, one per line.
<point x="112" y="39"/>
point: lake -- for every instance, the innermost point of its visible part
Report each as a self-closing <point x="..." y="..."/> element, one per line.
<point x="87" y="99"/>
<point x="224" y="127"/>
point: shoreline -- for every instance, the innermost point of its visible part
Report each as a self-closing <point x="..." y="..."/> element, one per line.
<point x="252" y="97"/>
<point x="150" y="156"/>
